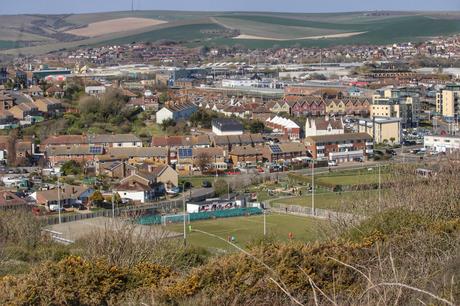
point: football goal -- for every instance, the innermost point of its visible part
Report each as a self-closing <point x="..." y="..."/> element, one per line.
<point x="168" y="219"/>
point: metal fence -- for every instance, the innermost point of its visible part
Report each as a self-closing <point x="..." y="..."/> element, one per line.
<point x="318" y="212"/>
<point x="166" y="206"/>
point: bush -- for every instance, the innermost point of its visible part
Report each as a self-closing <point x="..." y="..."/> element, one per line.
<point x="221" y="187"/>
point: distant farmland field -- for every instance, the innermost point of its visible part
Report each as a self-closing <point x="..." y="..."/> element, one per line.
<point x="179" y="33"/>
<point x="253" y="30"/>
<point x="114" y="25"/>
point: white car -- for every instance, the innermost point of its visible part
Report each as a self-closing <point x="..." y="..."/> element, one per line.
<point x="332" y="163"/>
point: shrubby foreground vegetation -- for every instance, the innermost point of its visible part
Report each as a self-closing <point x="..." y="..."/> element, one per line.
<point x="407" y="252"/>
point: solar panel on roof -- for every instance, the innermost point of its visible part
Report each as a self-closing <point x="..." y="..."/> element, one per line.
<point x="183" y="152"/>
<point x="95" y="150"/>
<point x="275" y="149"/>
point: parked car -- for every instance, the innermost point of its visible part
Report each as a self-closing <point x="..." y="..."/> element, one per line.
<point x="332" y="163"/>
<point x="391" y="152"/>
<point x="206" y="184"/>
<point x="358" y="159"/>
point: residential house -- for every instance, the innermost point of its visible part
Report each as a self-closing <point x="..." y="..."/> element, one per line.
<point x="7" y="119"/>
<point x="24" y="110"/>
<point x="164" y="174"/>
<point x="157" y="156"/>
<point x="49" y="106"/>
<point x="184" y="161"/>
<point x="95" y="90"/>
<point x="116" y="169"/>
<point x="83" y="154"/>
<point x="115" y="140"/>
<point x="323" y="126"/>
<point x="64" y="140"/>
<point x="357" y="106"/>
<point x="67" y="195"/>
<point x="281" y="107"/>
<point x="6" y="101"/>
<point x="23" y="150"/>
<point x="55" y="91"/>
<point x="145" y="103"/>
<point x="217" y="158"/>
<point x="335" y="107"/>
<point x="9" y="200"/>
<point x="231" y="141"/>
<point x="243" y="156"/>
<point x="35" y="91"/>
<point x="140" y="187"/>
<point x="340" y="147"/>
<point x="283" y="152"/>
<point x="284" y="126"/>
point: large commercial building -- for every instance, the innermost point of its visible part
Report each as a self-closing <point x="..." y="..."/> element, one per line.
<point x="383" y="129"/>
<point x="396" y="103"/>
<point x="447" y="101"/>
<point x="176" y="112"/>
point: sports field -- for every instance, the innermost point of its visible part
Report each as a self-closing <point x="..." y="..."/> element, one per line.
<point x="344" y="201"/>
<point x="247" y="229"/>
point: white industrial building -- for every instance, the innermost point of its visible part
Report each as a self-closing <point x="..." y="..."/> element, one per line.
<point x="442" y="143"/>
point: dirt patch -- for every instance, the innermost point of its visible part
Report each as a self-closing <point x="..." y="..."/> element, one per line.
<point x="338" y="35"/>
<point x="114" y="26"/>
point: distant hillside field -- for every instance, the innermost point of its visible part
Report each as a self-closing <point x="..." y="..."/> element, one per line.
<point x="46" y="33"/>
<point x="114" y="25"/>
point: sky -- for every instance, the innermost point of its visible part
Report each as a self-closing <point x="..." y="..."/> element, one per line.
<point x="307" y="6"/>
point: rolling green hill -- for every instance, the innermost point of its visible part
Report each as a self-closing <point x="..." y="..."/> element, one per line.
<point x="45" y="33"/>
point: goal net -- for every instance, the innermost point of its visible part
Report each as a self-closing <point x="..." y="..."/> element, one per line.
<point x="168" y="219"/>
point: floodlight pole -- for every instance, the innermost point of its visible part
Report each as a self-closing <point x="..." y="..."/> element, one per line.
<point x="185" y="211"/>
<point x="59" y="197"/>
<point x="265" y="223"/>
<point x="313" y="188"/>
<point x="380" y="188"/>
